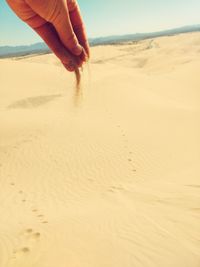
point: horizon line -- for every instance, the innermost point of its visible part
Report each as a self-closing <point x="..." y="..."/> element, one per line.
<point x="115" y="35"/>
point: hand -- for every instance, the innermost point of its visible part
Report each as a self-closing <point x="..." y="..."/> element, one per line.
<point x="60" y="25"/>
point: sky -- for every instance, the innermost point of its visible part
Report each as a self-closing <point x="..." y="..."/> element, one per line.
<point x="110" y="17"/>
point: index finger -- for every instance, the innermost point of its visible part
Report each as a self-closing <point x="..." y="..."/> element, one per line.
<point x="78" y="24"/>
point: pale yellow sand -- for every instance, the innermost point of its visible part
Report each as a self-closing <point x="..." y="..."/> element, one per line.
<point x="113" y="181"/>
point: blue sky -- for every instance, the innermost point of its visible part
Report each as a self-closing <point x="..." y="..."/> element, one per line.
<point x="110" y="17"/>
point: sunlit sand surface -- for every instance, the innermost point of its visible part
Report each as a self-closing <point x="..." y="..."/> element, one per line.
<point x="109" y="180"/>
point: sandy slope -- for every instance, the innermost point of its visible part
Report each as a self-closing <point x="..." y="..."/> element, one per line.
<point x="113" y="181"/>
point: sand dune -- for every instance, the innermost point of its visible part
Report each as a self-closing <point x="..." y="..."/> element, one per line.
<point x="110" y="179"/>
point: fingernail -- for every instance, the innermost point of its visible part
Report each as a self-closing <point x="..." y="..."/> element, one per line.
<point x="77" y="50"/>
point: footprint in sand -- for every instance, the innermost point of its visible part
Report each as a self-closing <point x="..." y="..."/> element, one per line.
<point x="34" y="210"/>
<point x="40" y="216"/>
<point x="23" y="251"/>
<point x="29" y="234"/>
<point x="36" y="235"/>
<point x="29" y="230"/>
<point x="23" y="196"/>
<point x="44" y="222"/>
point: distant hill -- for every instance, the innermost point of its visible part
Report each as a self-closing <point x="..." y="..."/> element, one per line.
<point x="10" y="51"/>
<point x="143" y="36"/>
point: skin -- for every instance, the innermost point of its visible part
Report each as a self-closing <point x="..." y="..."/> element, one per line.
<point x="60" y="25"/>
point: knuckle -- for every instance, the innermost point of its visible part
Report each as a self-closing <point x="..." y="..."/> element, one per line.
<point x="71" y="40"/>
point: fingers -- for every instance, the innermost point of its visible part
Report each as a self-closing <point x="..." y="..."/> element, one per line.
<point x="47" y="33"/>
<point x="60" y="38"/>
<point x="50" y="36"/>
<point x="78" y="25"/>
<point x="57" y="13"/>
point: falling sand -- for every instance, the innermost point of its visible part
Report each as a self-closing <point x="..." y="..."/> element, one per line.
<point x="78" y="73"/>
<point x="78" y="78"/>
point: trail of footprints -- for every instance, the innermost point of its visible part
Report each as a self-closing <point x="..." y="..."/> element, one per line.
<point x="129" y="153"/>
<point x="29" y="235"/>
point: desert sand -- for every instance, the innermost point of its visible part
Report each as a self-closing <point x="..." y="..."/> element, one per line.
<point x="110" y="178"/>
